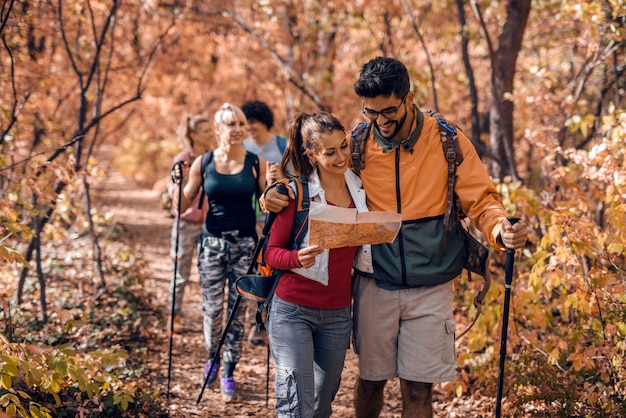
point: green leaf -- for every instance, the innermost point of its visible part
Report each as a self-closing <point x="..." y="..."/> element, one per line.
<point x="6" y="382"/>
<point x="10" y="369"/>
<point x="9" y="398"/>
<point x="12" y="410"/>
<point x="34" y="411"/>
<point x="23" y="394"/>
<point x="10" y="360"/>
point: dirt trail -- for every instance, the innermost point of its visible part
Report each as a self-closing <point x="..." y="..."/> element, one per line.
<point x="148" y="227"/>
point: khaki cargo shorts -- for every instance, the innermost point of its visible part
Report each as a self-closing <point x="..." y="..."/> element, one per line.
<point x="407" y="333"/>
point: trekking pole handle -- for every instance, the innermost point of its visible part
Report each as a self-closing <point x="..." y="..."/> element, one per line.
<point x="510" y="253"/>
<point x="513" y="220"/>
<point x="177" y="172"/>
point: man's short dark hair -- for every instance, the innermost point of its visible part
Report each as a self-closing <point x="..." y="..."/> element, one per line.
<point x="258" y="111"/>
<point x="382" y="76"/>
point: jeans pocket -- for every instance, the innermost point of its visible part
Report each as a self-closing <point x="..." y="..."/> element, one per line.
<point x="286" y="393"/>
<point x="448" y="353"/>
<point x="282" y="309"/>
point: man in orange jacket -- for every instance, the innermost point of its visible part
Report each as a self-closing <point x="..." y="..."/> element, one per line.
<point x="403" y="319"/>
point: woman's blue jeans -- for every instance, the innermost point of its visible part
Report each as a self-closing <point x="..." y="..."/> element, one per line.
<point x="309" y="348"/>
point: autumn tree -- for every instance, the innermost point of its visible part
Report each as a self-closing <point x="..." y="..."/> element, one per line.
<point x="71" y="105"/>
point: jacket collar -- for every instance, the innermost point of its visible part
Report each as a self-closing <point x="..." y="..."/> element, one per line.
<point x="387" y="145"/>
<point x="315" y="187"/>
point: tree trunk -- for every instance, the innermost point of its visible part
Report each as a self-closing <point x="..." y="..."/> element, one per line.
<point x="97" y="252"/>
<point x="503" y="73"/>
<point x="471" y="84"/>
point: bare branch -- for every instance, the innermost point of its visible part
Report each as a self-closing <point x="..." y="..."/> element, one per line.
<point x="16" y="109"/>
<point x="100" y="42"/>
<point x="483" y="30"/>
<point x="405" y="4"/>
<point x="4" y="15"/>
<point x="67" y="45"/>
<point x="292" y="75"/>
<point x="155" y="47"/>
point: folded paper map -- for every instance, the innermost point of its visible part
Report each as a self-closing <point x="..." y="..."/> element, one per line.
<point x="334" y="227"/>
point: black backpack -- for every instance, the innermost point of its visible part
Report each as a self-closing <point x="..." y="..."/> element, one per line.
<point x="260" y="287"/>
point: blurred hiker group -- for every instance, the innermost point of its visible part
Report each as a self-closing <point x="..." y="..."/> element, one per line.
<point x="392" y="301"/>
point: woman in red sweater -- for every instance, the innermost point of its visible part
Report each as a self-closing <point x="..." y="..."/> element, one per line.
<point x="309" y="321"/>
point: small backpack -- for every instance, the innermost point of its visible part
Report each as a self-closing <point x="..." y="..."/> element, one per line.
<point x="477" y="252"/>
<point x="260" y="287"/>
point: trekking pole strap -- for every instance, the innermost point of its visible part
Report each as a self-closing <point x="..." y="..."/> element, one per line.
<point x="478" y="302"/>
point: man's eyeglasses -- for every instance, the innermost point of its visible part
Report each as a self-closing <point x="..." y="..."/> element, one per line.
<point x="388" y="113"/>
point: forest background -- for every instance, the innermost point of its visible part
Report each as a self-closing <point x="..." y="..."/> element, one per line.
<point x="92" y="86"/>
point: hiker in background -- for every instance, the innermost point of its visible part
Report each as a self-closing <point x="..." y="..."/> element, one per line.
<point x="404" y="325"/>
<point x="262" y="141"/>
<point x="229" y="176"/>
<point x="309" y="322"/>
<point x="194" y="137"/>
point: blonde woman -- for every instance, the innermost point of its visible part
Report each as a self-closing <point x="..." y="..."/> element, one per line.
<point x="230" y="177"/>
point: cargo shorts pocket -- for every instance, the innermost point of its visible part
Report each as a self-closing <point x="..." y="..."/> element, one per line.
<point x="287" y="404"/>
<point x="448" y="354"/>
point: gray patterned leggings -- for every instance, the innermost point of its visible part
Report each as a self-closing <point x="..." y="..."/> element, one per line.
<point x="222" y="260"/>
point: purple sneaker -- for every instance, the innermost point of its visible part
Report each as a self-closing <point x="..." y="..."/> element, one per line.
<point x="213" y="376"/>
<point x="229" y="392"/>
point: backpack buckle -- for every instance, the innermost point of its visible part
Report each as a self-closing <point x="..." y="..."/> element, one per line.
<point x="444" y="125"/>
<point x="358" y="128"/>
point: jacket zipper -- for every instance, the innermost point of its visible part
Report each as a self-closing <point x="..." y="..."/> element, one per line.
<point x="399" y="209"/>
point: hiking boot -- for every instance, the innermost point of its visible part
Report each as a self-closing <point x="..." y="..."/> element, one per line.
<point x="229" y="391"/>
<point x="256" y="337"/>
<point x="213" y="376"/>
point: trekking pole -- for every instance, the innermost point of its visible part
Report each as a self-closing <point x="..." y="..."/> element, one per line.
<point x="508" y="280"/>
<point x="177" y="178"/>
<point x="268" y="224"/>
<point x="267" y="378"/>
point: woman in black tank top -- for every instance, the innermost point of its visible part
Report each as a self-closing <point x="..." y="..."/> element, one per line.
<point x="230" y="177"/>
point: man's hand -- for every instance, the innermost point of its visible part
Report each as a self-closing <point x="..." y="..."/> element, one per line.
<point x="514" y="236"/>
<point x="276" y="201"/>
<point x="306" y="256"/>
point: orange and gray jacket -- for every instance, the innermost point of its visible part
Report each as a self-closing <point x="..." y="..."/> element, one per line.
<point x="410" y="178"/>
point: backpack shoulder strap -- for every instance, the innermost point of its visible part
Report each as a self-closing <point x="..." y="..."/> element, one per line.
<point x="454" y="156"/>
<point x="300" y="226"/>
<point x="282" y="143"/>
<point x="303" y="202"/>
<point x="207" y="160"/>
<point x="256" y="169"/>
<point x="359" y="135"/>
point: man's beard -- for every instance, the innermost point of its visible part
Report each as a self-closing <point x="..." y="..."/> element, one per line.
<point x="396" y="130"/>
